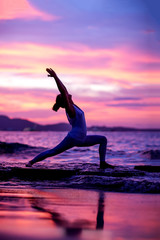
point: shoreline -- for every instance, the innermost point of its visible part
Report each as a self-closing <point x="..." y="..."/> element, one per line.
<point x="137" y="179"/>
<point x="32" y="213"/>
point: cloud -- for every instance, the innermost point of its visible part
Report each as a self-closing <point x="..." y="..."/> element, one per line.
<point x="137" y="97"/>
<point x="127" y="98"/>
<point x="36" y="104"/>
<point x="28" y="103"/>
<point x="115" y="65"/>
<point x="141" y="91"/>
<point x="91" y="75"/>
<point x="106" y="52"/>
<point x="131" y="105"/>
<point x="149" y="31"/>
<point x="13" y="9"/>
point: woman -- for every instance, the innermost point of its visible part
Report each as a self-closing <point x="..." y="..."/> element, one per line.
<point x="77" y="136"/>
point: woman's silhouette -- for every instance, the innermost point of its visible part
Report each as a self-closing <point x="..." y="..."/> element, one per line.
<point x="78" y="134"/>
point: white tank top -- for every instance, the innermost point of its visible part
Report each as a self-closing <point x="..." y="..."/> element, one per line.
<point x="78" y="124"/>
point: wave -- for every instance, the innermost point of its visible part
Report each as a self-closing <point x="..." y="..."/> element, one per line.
<point x="151" y="154"/>
<point x="14" y="147"/>
<point x="120" y="179"/>
<point x="115" y="153"/>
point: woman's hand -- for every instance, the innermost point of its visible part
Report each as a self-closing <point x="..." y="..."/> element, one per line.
<point x="51" y="73"/>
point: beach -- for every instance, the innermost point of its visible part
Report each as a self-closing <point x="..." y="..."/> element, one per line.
<point x="70" y="197"/>
<point x="28" y="213"/>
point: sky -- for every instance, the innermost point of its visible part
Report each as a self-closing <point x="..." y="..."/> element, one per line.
<point x="106" y="52"/>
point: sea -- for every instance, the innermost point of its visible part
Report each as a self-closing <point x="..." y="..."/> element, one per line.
<point x="79" y="167"/>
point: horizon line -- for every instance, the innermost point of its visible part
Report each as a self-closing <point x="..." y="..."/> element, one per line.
<point x="92" y="126"/>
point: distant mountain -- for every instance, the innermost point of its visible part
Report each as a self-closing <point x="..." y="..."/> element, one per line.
<point x="118" y="129"/>
<point x="17" y="124"/>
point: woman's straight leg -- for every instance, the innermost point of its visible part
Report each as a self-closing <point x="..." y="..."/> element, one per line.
<point x="66" y="144"/>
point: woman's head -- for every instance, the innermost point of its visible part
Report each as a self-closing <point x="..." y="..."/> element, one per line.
<point x="59" y="103"/>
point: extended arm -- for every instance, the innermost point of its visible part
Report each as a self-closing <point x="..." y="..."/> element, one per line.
<point x="64" y="92"/>
<point x="60" y="85"/>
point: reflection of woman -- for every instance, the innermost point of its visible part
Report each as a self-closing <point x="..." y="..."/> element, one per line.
<point x="100" y="213"/>
<point x="77" y="136"/>
<point x="75" y="227"/>
<point x="71" y="228"/>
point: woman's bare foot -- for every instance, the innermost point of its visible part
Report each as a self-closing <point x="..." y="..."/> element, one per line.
<point x="104" y="165"/>
<point x="29" y="164"/>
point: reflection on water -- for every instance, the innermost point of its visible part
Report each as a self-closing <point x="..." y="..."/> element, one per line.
<point x="56" y="214"/>
<point x="77" y="214"/>
<point x="75" y="227"/>
<point x="100" y="212"/>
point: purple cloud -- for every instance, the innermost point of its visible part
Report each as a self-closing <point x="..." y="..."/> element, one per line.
<point x="130" y="105"/>
<point x="126" y="98"/>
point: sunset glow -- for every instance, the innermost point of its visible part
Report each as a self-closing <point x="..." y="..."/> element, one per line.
<point x="109" y="63"/>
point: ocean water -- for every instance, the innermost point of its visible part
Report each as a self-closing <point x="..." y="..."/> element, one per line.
<point x="81" y="165"/>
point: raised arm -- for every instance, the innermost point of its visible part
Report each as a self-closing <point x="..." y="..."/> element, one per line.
<point x="60" y="85"/>
<point x="63" y="91"/>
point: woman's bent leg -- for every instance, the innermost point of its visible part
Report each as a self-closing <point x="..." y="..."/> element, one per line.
<point x="66" y="144"/>
<point x="92" y="140"/>
<point x="102" y="141"/>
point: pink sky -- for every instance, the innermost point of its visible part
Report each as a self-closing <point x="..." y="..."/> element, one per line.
<point x="110" y="64"/>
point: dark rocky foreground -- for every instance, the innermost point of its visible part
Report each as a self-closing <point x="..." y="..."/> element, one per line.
<point x="141" y="179"/>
